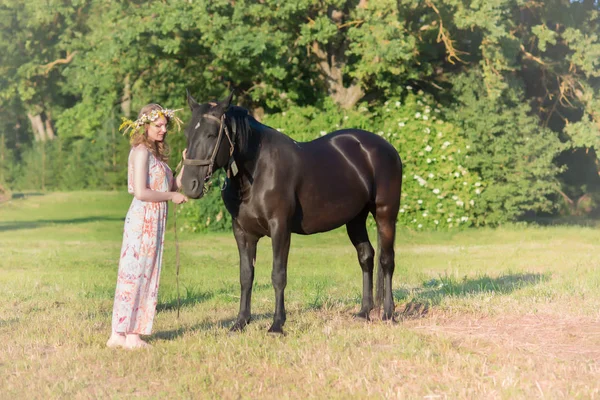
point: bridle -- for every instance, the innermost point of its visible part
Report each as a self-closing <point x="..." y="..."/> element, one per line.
<point x="211" y="161"/>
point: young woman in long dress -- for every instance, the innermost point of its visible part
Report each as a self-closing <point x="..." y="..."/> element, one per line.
<point x="151" y="182"/>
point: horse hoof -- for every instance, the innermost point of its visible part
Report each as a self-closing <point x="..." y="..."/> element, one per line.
<point x="276" y="329"/>
<point x="238" y="326"/>
<point x="363" y="315"/>
<point x="389" y="318"/>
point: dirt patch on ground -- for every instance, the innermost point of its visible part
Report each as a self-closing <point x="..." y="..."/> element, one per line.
<point x="543" y="335"/>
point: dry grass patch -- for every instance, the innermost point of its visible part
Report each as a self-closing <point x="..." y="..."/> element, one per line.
<point x="555" y="355"/>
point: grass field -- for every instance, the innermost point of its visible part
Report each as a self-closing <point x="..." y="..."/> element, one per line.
<point x="506" y="313"/>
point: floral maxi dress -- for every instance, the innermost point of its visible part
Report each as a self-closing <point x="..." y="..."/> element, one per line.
<point x="141" y="254"/>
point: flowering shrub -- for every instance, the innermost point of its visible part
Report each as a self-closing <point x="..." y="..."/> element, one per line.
<point x="438" y="191"/>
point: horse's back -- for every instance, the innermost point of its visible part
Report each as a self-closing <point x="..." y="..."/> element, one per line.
<point x="341" y="174"/>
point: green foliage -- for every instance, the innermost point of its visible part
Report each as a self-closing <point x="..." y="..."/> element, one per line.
<point x="80" y="65"/>
<point x="439" y="190"/>
<point x="208" y="214"/>
<point x="510" y="151"/>
<point x="64" y="164"/>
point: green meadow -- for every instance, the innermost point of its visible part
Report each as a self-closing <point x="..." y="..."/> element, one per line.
<point x="503" y="313"/>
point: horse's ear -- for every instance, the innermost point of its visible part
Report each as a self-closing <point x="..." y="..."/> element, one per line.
<point x="227" y="102"/>
<point x="190" y="100"/>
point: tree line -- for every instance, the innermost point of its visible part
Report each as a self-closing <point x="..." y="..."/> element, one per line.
<point x="515" y="82"/>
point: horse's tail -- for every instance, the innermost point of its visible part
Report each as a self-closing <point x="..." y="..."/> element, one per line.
<point x="379" y="279"/>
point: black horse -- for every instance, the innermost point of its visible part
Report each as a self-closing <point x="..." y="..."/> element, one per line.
<point x="276" y="186"/>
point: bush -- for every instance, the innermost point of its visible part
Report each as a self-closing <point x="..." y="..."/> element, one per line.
<point x="509" y="150"/>
<point x="208" y="214"/>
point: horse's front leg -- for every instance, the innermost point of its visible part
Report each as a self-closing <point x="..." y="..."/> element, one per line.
<point x="247" y="248"/>
<point x="280" y="235"/>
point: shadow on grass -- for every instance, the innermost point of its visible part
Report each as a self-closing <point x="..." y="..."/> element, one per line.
<point x="204" y="326"/>
<point x="17" y="225"/>
<point x="189" y="298"/>
<point x="8" y="322"/>
<point x="434" y="291"/>
<point x="588" y="220"/>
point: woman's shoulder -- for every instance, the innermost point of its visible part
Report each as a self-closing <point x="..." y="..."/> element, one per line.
<point x="140" y="148"/>
<point x="139" y="151"/>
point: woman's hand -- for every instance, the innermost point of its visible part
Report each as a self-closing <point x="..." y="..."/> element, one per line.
<point x="178" y="198"/>
<point x="184" y="154"/>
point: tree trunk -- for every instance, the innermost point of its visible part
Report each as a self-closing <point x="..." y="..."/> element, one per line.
<point x="37" y="125"/>
<point x="126" y="98"/>
<point x="42" y="127"/>
<point x="49" y="130"/>
<point x="345" y="97"/>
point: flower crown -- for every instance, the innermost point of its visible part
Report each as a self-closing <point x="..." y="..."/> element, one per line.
<point x="133" y="127"/>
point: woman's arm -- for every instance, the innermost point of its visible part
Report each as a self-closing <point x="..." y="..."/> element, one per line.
<point x="177" y="181"/>
<point x="140" y="175"/>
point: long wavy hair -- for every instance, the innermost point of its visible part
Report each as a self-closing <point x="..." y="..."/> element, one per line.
<point x="160" y="150"/>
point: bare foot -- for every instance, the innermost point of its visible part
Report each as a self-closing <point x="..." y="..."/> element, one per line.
<point x="135" y="342"/>
<point x="116" y="340"/>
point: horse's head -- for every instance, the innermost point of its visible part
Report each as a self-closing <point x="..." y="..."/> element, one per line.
<point x="208" y="144"/>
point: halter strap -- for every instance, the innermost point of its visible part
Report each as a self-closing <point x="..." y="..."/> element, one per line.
<point x="211" y="161"/>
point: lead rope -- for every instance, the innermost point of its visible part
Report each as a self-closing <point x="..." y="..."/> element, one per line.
<point x="177" y="169"/>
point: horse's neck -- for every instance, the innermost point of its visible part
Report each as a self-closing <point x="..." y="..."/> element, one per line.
<point x="247" y="160"/>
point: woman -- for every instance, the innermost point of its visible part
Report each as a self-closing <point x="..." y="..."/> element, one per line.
<point x="150" y="180"/>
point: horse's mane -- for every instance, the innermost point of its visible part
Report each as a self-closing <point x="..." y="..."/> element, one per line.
<point x="240" y="122"/>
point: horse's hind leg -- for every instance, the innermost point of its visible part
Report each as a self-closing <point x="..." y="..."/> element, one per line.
<point x="357" y="231"/>
<point x="386" y="231"/>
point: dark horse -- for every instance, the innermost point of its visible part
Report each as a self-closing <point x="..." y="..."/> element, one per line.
<point x="277" y="186"/>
